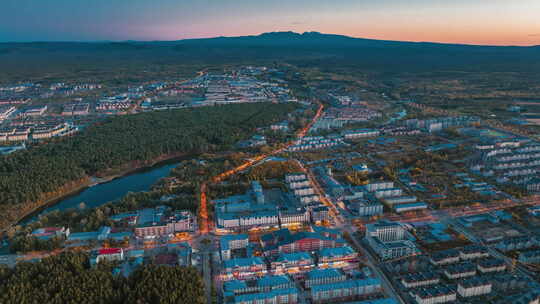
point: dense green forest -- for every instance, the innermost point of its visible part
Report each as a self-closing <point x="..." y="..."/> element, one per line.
<point x="125" y="142"/>
<point x="68" y="278"/>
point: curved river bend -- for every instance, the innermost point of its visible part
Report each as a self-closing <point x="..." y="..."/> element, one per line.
<point x="115" y="189"/>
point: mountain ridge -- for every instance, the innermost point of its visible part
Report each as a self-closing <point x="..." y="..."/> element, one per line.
<point x="279" y="37"/>
<point x="313" y="36"/>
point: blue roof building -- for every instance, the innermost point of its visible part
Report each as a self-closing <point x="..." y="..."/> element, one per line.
<point x="324" y="276"/>
<point x="294" y="257"/>
<point x="336" y="253"/>
<point x="410" y="207"/>
<point x="288" y="295"/>
<point x="82" y="236"/>
<point x="344" y="289"/>
<point x="243" y="262"/>
<point x="274" y="282"/>
<point x="235" y="286"/>
<point x="378" y="301"/>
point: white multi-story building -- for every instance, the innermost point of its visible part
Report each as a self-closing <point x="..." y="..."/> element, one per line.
<point x="6" y="111"/>
<point x="107" y="254"/>
<point x="491" y="265"/>
<point x="299" y="184"/>
<point x="386" y="231"/>
<point x="389" y="240"/>
<point x="304" y="191"/>
<point x="474" y="287"/>
<point x="366" y="208"/>
<point x="460" y="271"/>
<point x="360" y="133"/>
<point x="295" y="177"/>
<point x="434" y="295"/>
<point x="232" y="242"/>
<point x="513" y="162"/>
<point x="293" y="217"/>
<point x="472" y="252"/>
<point x="389" y="192"/>
<point x="445" y="257"/>
<point x="379" y="186"/>
<point x="260" y="218"/>
<point x="415" y="280"/>
<point x="34" y="111"/>
<point x="49" y="131"/>
<point x="182" y="221"/>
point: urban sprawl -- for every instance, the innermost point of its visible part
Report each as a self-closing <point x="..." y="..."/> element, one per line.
<point x="385" y="201"/>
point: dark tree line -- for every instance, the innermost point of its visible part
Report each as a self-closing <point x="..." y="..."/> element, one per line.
<point x="68" y="278"/>
<point x="130" y="140"/>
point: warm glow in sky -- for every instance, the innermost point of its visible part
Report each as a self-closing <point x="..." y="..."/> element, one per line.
<point x="500" y="22"/>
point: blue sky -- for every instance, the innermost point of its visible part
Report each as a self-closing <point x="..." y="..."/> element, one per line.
<point x="474" y="21"/>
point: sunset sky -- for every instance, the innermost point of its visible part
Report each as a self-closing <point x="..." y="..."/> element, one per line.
<point x="496" y="22"/>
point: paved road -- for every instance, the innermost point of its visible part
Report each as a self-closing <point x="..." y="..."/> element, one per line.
<point x="205" y="250"/>
<point x="344" y="223"/>
<point x="207" y="275"/>
<point x="371" y="261"/>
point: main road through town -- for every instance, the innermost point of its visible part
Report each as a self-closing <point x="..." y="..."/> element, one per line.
<point x="345" y="224"/>
<point x="204" y="223"/>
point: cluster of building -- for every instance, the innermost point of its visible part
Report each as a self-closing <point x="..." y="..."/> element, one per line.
<point x="76" y="109"/>
<point x="493" y="227"/>
<point x="390" y="240"/>
<point x="368" y="200"/>
<point x="317" y="265"/>
<point x="242" y="86"/>
<point x="317" y="142"/>
<point x="70" y="89"/>
<point x="34" y="111"/>
<point x="441" y="123"/>
<point x="115" y="104"/>
<point x="513" y="162"/>
<point x="338" y="117"/>
<point x="482" y="188"/>
<point x="399" y="131"/>
<point x="280" y="126"/>
<point x="271" y="208"/>
<point x="127" y="260"/>
<point x="36" y="131"/>
<point x="454" y="276"/>
<point x="360" y="133"/>
<point x="6" y="111"/>
<point x="283" y="252"/>
<point x="236" y="86"/>
<point x="157" y="222"/>
<point x="394" y="197"/>
<point x="149" y="236"/>
<point x="20" y="87"/>
<point x="13" y="101"/>
<point x="303" y="192"/>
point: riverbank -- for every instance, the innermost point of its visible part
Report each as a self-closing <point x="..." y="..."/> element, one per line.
<point x="49" y="198"/>
<point x="77" y="187"/>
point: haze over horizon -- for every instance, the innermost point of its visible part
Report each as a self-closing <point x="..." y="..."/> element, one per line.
<point x="495" y="22"/>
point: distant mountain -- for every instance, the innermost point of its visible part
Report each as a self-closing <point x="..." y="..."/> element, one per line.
<point x="313" y="48"/>
<point x="326" y="51"/>
<point x="290" y="38"/>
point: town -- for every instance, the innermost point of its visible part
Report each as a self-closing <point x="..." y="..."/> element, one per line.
<point x="354" y="197"/>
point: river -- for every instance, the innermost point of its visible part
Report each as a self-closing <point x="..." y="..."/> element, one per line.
<point x="115" y="189"/>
